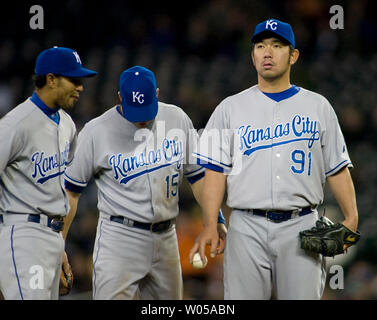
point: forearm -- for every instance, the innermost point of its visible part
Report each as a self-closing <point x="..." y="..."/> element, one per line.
<point x="212" y="196"/>
<point x="197" y="190"/>
<point x="73" y="199"/>
<point x="342" y="187"/>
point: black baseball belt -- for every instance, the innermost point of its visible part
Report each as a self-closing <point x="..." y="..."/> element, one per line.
<point x="278" y="215"/>
<point x="55" y="223"/>
<point x="153" y="227"/>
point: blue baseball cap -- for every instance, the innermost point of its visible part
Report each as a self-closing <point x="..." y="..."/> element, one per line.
<point x="138" y="91"/>
<point x="282" y="29"/>
<point x="61" y="61"/>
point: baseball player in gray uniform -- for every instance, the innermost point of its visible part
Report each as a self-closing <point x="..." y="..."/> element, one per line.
<point x="278" y="145"/>
<point x="37" y="141"/>
<point x="138" y="152"/>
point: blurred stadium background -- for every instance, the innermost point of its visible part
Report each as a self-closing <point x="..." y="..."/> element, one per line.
<point x="200" y="53"/>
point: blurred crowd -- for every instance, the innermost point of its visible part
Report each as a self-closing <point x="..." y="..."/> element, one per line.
<point x="200" y="53"/>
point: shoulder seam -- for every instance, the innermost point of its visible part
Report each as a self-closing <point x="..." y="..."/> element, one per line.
<point x="97" y="121"/>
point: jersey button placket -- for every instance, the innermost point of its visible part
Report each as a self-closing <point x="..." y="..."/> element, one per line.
<point x="276" y="158"/>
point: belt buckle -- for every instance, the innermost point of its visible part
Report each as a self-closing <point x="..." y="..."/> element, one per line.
<point x="279" y="217"/>
<point x="267" y="216"/>
<point x="128" y="222"/>
<point x="295" y="213"/>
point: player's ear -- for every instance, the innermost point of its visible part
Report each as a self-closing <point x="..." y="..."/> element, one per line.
<point x="51" y="80"/>
<point x="157" y="92"/>
<point x="294" y="56"/>
<point x="120" y="97"/>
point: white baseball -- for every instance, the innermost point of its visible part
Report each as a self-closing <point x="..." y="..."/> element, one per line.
<point x="197" y="261"/>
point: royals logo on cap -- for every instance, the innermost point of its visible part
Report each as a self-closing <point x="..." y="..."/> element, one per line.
<point x="271" y="24"/>
<point x="139" y="97"/>
<point x="272" y="27"/>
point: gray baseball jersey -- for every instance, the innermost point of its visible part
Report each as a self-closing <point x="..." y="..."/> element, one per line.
<point x="36" y="144"/>
<point x="138" y="173"/>
<point x="35" y="151"/>
<point x="285" y="149"/>
<point x="278" y="150"/>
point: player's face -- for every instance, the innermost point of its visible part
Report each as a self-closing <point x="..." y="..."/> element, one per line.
<point x="272" y="59"/>
<point x="68" y="92"/>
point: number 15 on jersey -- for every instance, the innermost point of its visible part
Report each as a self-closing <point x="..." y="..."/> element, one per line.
<point x="172" y="185"/>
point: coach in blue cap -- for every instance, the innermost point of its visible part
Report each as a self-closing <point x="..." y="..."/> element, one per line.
<point x="138" y="93"/>
<point x="58" y="73"/>
<point x="38" y="139"/>
<point x="138" y="152"/>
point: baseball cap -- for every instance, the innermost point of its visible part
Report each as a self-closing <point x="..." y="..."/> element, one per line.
<point x="138" y="91"/>
<point x="61" y="61"/>
<point x="282" y="29"/>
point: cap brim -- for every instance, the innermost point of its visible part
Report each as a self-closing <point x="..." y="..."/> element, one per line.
<point x="80" y="73"/>
<point x="269" y="34"/>
<point x="140" y="114"/>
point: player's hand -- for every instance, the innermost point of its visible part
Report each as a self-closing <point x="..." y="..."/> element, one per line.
<point x="222" y="231"/>
<point x="208" y="236"/>
<point x="65" y="265"/>
<point x="66" y="277"/>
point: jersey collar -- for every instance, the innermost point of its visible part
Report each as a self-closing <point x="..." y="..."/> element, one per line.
<point x="150" y="126"/>
<point x="53" y="114"/>
<point x="279" y="96"/>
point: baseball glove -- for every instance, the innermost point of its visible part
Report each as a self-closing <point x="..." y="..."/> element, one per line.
<point x="66" y="283"/>
<point x="328" y="238"/>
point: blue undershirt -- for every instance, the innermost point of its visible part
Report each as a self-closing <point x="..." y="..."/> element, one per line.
<point x="53" y="114"/>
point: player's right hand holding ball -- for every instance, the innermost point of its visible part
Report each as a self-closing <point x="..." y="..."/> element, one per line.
<point x="197" y="262"/>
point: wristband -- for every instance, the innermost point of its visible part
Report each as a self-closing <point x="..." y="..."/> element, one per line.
<point x="221" y="218"/>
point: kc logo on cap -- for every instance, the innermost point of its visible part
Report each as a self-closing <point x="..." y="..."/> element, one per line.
<point x="271" y="24"/>
<point x="138" y="96"/>
<point x="138" y="92"/>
